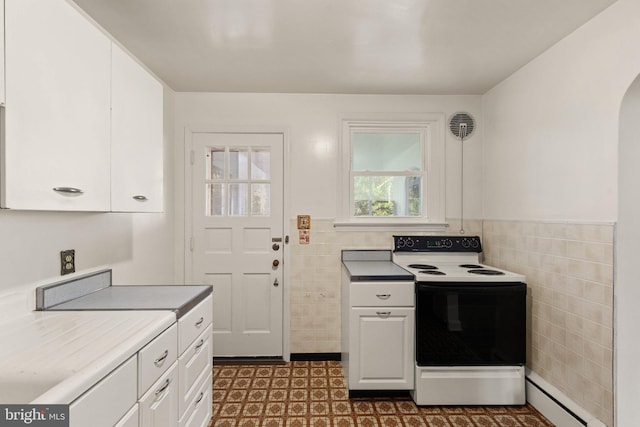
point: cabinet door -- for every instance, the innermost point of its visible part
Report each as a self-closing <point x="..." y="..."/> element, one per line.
<point x="136" y="137"/>
<point x="159" y="406"/>
<point x="381" y="348"/>
<point x="107" y="401"/>
<point x="58" y="89"/>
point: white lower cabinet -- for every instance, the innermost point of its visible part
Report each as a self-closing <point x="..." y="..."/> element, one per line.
<point x="159" y="405"/>
<point x="382" y="354"/>
<point x="198" y="412"/>
<point x="104" y="404"/>
<point x="130" y="419"/>
<point x="378" y="324"/>
<point x="194" y="366"/>
<point x="167" y="383"/>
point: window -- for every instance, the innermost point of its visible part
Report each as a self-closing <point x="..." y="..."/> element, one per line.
<point x="238" y="181"/>
<point x="393" y="170"/>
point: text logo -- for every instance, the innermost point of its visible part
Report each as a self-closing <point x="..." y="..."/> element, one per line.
<point x="34" y="415"/>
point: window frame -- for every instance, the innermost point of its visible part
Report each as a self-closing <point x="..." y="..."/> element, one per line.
<point x="433" y="169"/>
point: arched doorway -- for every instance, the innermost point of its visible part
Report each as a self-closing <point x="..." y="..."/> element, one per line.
<point x="627" y="281"/>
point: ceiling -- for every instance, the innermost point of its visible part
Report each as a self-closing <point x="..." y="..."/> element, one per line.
<point x="339" y="46"/>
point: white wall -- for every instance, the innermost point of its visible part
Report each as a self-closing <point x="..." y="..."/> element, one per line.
<point x="551" y="153"/>
<point x="312" y="122"/>
<point x="139" y="247"/>
<point x="551" y="129"/>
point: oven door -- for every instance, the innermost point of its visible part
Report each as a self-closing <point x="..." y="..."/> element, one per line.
<point x="470" y="324"/>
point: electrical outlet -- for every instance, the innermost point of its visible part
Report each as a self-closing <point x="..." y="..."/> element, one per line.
<point x="67" y="261"/>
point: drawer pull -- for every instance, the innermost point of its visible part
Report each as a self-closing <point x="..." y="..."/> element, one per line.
<point x="199" y="399"/>
<point x="140" y="198"/>
<point x="383" y="296"/>
<point x="200" y="344"/>
<point x="199" y="322"/>
<point x="160" y="359"/>
<point x="164" y="387"/>
<point x="383" y="314"/>
<point x="68" y="190"/>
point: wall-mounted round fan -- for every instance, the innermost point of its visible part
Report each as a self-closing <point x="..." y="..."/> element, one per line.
<point x="462" y="126"/>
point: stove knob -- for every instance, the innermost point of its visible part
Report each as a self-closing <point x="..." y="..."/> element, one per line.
<point x="475" y="243"/>
<point x="410" y="243"/>
<point x="447" y="243"/>
<point x="466" y="243"/>
<point x="400" y="243"/>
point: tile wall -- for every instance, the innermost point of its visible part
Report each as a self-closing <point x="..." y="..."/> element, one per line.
<point x="569" y="269"/>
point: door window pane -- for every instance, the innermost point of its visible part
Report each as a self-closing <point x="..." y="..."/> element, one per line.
<point x="238" y="199"/>
<point x="215" y="163"/>
<point x="260" y="199"/>
<point x="386" y="151"/>
<point x="260" y="163"/>
<point x="238" y="163"/>
<point x="215" y="200"/>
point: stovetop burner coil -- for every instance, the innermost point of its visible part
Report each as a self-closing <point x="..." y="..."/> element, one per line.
<point x="423" y="266"/>
<point x="487" y="272"/>
<point x="470" y="266"/>
<point x="433" y="272"/>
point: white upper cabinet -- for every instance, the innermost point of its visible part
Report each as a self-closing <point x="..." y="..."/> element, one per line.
<point x="136" y="137"/>
<point x="84" y="124"/>
<point x="56" y="148"/>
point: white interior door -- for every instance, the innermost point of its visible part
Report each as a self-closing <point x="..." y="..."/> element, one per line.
<point x="237" y="246"/>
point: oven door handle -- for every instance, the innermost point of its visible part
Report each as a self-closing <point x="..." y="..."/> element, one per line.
<point x="383" y="314"/>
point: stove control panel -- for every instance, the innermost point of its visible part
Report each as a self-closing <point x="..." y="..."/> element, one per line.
<point x="437" y="244"/>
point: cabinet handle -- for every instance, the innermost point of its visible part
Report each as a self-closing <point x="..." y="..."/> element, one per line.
<point x="164" y="387"/>
<point x="140" y="198"/>
<point x="383" y="314"/>
<point x="199" y="399"/>
<point x="200" y="344"/>
<point x="68" y="190"/>
<point x="383" y="296"/>
<point x="199" y="322"/>
<point x="161" y="358"/>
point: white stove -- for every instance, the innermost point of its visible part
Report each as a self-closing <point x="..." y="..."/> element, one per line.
<point x="447" y="259"/>
<point x="470" y="334"/>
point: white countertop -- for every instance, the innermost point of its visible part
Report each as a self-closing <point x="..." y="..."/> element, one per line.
<point x="54" y="357"/>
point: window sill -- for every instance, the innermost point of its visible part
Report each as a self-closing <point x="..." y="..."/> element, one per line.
<point x="381" y="225"/>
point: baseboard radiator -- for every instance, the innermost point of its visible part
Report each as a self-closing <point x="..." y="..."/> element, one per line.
<point x="555" y="405"/>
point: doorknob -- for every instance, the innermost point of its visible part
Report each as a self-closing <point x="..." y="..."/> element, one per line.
<point x="276" y="263"/>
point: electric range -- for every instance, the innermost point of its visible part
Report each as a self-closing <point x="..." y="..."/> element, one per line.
<point x="470" y="330"/>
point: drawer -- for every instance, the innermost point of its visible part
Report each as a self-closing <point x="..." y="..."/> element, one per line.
<point x="193" y="366"/>
<point x="198" y="413"/>
<point x="387" y="294"/>
<point x="156" y="357"/>
<point x="194" y="323"/>
<point x="159" y="405"/>
<point x="130" y="419"/>
<point x="107" y="401"/>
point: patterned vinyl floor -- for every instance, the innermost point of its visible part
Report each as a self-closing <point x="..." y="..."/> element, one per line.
<point x="313" y="394"/>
